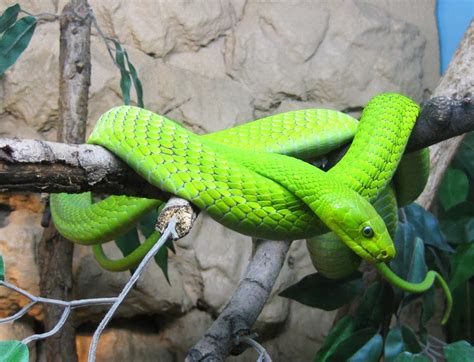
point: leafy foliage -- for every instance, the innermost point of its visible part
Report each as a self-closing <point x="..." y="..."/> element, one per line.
<point x="128" y="75"/>
<point x="319" y="292"/>
<point x="13" y="351"/>
<point x="8" y="17"/>
<point x="459" y="351"/>
<point x="16" y="35"/>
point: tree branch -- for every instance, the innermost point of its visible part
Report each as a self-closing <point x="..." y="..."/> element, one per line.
<point x="246" y="303"/>
<point x="55" y="253"/>
<point x="41" y="166"/>
<point x="457" y="82"/>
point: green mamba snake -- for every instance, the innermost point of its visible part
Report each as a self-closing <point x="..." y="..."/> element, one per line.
<point x="250" y="178"/>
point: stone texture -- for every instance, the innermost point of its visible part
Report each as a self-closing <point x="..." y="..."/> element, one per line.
<point x="210" y="65"/>
<point x="319" y="53"/>
<point x="19" y="234"/>
<point x="126" y="344"/>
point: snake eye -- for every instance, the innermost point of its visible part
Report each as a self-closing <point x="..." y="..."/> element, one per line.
<point x="367" y="232"/>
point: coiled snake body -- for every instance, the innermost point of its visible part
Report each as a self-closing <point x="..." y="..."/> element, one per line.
<point x="249" y="179"/>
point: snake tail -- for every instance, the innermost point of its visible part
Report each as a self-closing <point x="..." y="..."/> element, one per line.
<point x="128" y="262"/>
<point x="420" y="287"/>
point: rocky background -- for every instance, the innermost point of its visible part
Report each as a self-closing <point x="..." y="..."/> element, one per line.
<point x="211" y="65"/>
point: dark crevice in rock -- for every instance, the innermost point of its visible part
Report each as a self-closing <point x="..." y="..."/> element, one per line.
<point x="5" y="211"/>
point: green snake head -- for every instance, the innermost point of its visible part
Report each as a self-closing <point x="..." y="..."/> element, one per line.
<point x="354" y="220"/>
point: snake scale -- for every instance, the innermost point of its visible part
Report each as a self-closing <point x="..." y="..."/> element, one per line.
<point x="253" y="179"/>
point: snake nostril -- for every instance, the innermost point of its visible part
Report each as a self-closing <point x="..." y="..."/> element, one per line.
<point x="383" y="254"/>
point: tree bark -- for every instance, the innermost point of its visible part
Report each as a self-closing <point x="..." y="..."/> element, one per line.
<point x="457" y="82"/>
<point x="55" y="253"/>
<point x="40" y="166"/>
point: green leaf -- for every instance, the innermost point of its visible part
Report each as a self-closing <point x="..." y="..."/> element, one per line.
<point x="147" y="226"/>
<point x="13" y="351"/>
<point x="457" y="223"/>
<point x="393" y="344"/>
<point x="417" y="268"/>
<point x="370" y="351"/>
<point x="462" y="316"/>
<point x="460" y="351"/>
<point x="465" y="155"/>
<point x="136" y="82"/>
<point x="409" y="263"/>
<point x="439" y="258"/>
<point x="338" y="333"/>
<point x="377" y="304"/>
<point x="354" y="343"/>
<point x="426" y="227"/>
<point x="317" y="291"/>
<point x="9" y="17"/>
<point x="128" y="242"/>
<point x="399" y="340"/>
<point x="454" y="188"/>
<point x="469" y="229"/>
<point x="428" y="312"/>
<point x="410" y="357"/>
<point x="404" y="242"/>
<point x="462" y="265"/>
<point x="410" y="340"/>
<point x="2" y="268"/>
<point x="161" y="259"/>
<point x="15" y="40"/>
<point x="125" y="81"/>
<point x="147" y="223"/>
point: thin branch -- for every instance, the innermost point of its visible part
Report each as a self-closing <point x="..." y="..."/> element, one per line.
<point x="246" y="303"/>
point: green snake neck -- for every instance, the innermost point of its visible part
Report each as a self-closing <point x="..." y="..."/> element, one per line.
<point x="378" y="146"/>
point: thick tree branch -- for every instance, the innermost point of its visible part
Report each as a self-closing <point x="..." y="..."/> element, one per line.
<point x="40" y="166"/>
<point x="442" y="118"/>
<point x="457" y="82"/>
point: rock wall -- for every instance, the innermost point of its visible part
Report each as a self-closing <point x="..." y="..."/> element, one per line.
<point x="211" y="65"/>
